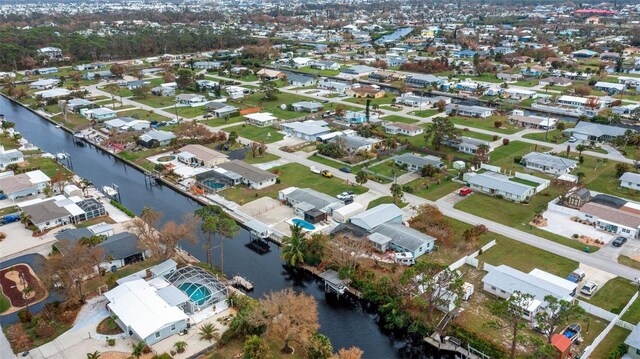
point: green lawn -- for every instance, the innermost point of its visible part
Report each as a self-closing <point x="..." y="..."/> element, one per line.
<point x="517" y="215"/>
<point x="527" y="83"/>
<point x="553" y="136"/>
<point x="425" y="113"/>
<point x="385" y="169"/>
<point x="486" y="124"/>
<point x="628" y="261"/>
<point x="430" y="189"/>
<point x="255" y="133"/>
<point x="383" y="200"/>
<point x="4" y="302"/>
<point x="486" y="77"/>
<point x="616" y="336"/>
<point x="156" y="101"/>
<point x="503" y="156"/>
<point x="604" y="178"/>
<point x="272" y="106"/>
<point x="9" y="143"/>
<point x="332" y="163"/>
<point x="524" y="257"/>
<point x="523" y="181"/>
<point x="143" y="115"/>
<point x="384" y="100"/>
<point x="395" y="118"/>
<point x="479" y="136"/>
<point x="292" y="174"/>
<point x="47" y="165"/>
<point x="266" y="157"/>
<point x="309" y="70"/>
<point x="120" y="91"/>
<point x="615" y="294"/>
<point x="633" y="313"/>
<point x="73" y="121"/>
<point x="188" y="112"/>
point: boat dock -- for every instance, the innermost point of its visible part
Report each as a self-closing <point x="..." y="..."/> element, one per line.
<point x="239" y="281"/>
<point x="452" y="344"/>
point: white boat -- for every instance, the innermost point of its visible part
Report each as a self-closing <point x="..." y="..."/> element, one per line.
<point x="61" y="156"/>
<point x="109" y="191"/>
<point x="78" y="135"/>
<point x="58" y="126"/>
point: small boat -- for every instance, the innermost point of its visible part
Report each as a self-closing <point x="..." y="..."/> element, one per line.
<point x="58" y="125"/>
<point x="61" y="156"/>
<point x="109" y="191"/>
<point x="572" y="331"/>
<point x="78" y="135"/>
<point x="239" y="281"/>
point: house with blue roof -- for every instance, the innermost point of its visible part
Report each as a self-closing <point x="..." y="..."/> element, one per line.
<point x="464" y="54"/>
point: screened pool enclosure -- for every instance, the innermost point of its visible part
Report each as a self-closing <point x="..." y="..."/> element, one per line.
<point x="203" y="289"/>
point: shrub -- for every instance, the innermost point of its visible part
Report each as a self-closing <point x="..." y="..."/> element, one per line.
<point x="575" y="235"/>
<point x="45" y="331"/>
<point x="2" y="236"/>
<point x="497" y="124"/>
<point x="495" y="137"/>
<point x="505" y="141"/>
<point x="517" y="159"/>
<point x="124" y="209"/>
<point x="111" y="342"/>
<point x="25" y="316"/>
<point x="407" y="189"/>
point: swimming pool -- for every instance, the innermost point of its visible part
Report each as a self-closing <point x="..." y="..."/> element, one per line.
<point x="197" y="294"/>
<point x="213" y="184"/>
<point x="304" y="224"/>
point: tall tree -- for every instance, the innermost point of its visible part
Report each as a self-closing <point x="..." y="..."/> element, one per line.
<point x="558" y="313"/>
<point x="293" y="247"/>
<point x="362" y="177"/>
<point x="227" y="229"/>
<point x="269" y="89"/>
<point x="512" y="311"/>
<point x="441" y="130"/>
<point x="396" y="193"/>
<point x="185" y="78"/>
<point x="209" y="227"/>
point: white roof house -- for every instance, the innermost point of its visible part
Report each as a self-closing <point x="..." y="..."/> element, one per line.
<point x="53" y="93"/>
<point x="630" y="180"/>
<point x="547" y="163"/>
<point x="376" y="216"/>
<point x="142" y="310"/>
<point x="261" y="119"/>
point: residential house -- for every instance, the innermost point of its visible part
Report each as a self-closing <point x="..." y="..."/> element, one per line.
<point x="520" y="94"/>
<point x="207" y="65"/>
<point x="359" y="70"/>
<point x="270" y="75"/>
<point x="307" y="106"/>
<point x="47" y="71"/>
<point x="334" y="86"/>
<point x="23" y="185"/>
<point x="469" y="145"/>
<point x="50" y="52"/>
<point x="44" y="84"/>
<point x="353" y="117"/>
<point x="9" y="157"/>
<point x="354" y="143"/>
<point x="136" y="84"/>
<point x="307" y="202"/>
<point x="609" y="87"/>
<point x="633" y="344"/>
<point x="509" y="78"/>
<point x="127" y="124"/>
<point x="156" y="138"/>
<point x="300" y="80"/>
<point x="612" y="215"/>
<point x="59" y="210"/>
<point x="221" y="109"/>
<point x="53" y="93"/>
<point x="163" y="91"/>
<point x="496" y="184"/>
<point x="419" y="80"/>
<point x="308" y="130"/>
<point x="99" y="114"/>
<point x="237" y="172"/>
<point x="399" y="128"/>
<point x="584" y="54"/>
<point x="298" y="62"/>
<point x="95" y="75"/>
<point x="421" y="102"/>
<point x="386" y="76"/>
<point x="518" y="118"/>
<point x="200" y="156"/>
<point x="76" y="104"/>
<point x="548" y="163"/>
<point x="325" y="65"/>
<point x="503" y="281"/>
<point x="630" y="180"/>
<point x="588" y="131"/>
<point x="469" y="111"/>
<point x="576" y="101"/>
<point x="368" y="91"/>
<point x="555" y="81"/>
<point x="533" y="71"/>
<point x="415" y="162"/>
<point x="261" y="119"/>
<point x="189" y="99"/>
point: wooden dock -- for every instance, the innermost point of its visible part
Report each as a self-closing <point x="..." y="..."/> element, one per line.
<point x="239" y="281"/>
<point x="451" y="347"/>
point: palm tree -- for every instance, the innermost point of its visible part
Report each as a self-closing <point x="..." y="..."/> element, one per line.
<point x="180" y="346"/>
<point x="580" y="176"/>
<point x="293" y="246"/>
<point x="138" y="349"/>
<point x="94" y="355"/>
<point x="209" y="332"/>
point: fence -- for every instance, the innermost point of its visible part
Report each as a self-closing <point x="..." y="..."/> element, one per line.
<point x="471" y="258"/>
<point x="246" y="111"/>
<point x="597" y="311"/>
<point x="543" y="183"/>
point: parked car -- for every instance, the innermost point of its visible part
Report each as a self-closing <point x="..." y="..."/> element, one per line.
<point x="576" y="276"/>
<point x="207" y="115"/>
<point x="589" y="288"/>
<point x="345" y="195"/>
<point x="573" y="139"/>
<point x="326" y="173"/>
<point x="465" y="191"/>
<point x="619" y="241"/>
<point x="324" y="101"/>
<point x="346" y="169"/>
<point x="348" y="201"/>
<point x="173" y="122"/>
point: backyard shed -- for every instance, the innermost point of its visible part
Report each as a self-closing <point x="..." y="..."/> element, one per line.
<point x="343" y="214"/>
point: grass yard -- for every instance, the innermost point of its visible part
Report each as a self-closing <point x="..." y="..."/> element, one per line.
<point x="217" y="122"/>
<point x="479" y="136"/>
<point x="616" y="336"/>
<point x="395" y="118"/>
<point x="140" y="157"/>
<point x="503" y="156"/>
<point x="425" y="113"/>
<point x="121" y="91"/>
<point x="292" y="174"/>
<point x="603" y="179"/>
<point x="553" y="136"/>
<point x="255" y="133"/>
<point x="523" y="181"/>
<point x="332" y="163"/>
<point x="385" y="169"/>
<point x="384" y="100"/>
<point x="383" y="200"/>
<point x="73" y="121"/>
<point x="632" y="315"/>
<point x="4" y="302"/>
<point x="527" y="83"/>
<point x="309" y="70"/>
<point x="266" y="157"/>
<point x="430" y="189"/>
<point x="486" y="124"/>
<point x="188" y="112"/>
<point x="47" y="165"/>
<point x="156" y="101"/>
<point x="518" y="215"/>
<point x="9" y="143"/>
<point x="143" y="115"/>
<point x="615" y="294"/>
<point x="272" y="106"/>
<point x="628" y="261"/>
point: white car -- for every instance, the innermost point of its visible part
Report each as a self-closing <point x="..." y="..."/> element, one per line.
<point x="573" y="139"/>
<point x="589" y="288"/>
<point x="345" y="195"/>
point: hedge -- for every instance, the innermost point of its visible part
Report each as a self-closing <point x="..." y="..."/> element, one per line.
<point x="124" y="209"/>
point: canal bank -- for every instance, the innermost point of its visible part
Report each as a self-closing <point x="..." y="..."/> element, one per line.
<point x="346" y="323"/>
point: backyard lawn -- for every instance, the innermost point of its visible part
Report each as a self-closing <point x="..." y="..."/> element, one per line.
<point x="553" y="136"/>
<point x="614" y="295"/>
<point x="616" y="336"/>
<point x="396" y="118"/>
<point x="188" y="112"/>
<point x="46" y="165"/>
<point x="73" y="121"/>
<point x="486" y="124"/>
<point x="503" y="156"/>
<point x="156" y="101"/>
<point x="632" y="315"/>
<point x="259" y="134"/>
<point x="429" y="188"/>
<point x="332" y="163"/>
<point x="387" y="169"/>
<point x="425" y="113"/>
<point x="383" y="200"/>
<point x="272" y="106"/>
<point x="292" y="174"/>
<point x="266" y="157"/>
<point x="143" y="115"/>
<point x="218" y="121"/>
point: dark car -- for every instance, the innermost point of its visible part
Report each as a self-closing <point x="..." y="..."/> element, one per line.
<point x="619" y="241"/>
<point x="346" y="169"/>
<point x="347" y="200"/>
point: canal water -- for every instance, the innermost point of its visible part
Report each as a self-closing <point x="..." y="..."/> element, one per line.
<point x="346" y="324"/>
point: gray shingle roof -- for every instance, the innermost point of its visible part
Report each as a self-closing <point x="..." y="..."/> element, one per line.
<point x="499" y="182"/>
<point x="403" y="236"/>
<point x="251" y="173"/>
<point x="548" y="160"/>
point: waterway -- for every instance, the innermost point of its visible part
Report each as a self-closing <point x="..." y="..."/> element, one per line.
<point x="345" y="323"/>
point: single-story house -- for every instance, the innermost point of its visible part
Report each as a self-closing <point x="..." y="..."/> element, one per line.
<point x="370" y="91"/>
<point x="242" y="172"/>
<point x="609" y="87"/>
<point x="190" y="99"/>
<point x="359" y="70"/>
<point x="400" y="128"/>
<point x="496" y="184"/>
<point x="589" y="131"/>
<point x="198" y="155"/>
<point x="470" y="111"/>
<point x="60" y="210"/>
<point x="75" y="104"/>
<point x="633" y="343"/>
<point x="420" y="80"/>
<point x="630" y="180"/>
<point x="531" y="121"/>
<point x="620" y="218"/>
<point x="307" y="200"/>
<point x="308" y="130"/>
<point x="53" y="93"/>
<point x="300" y="80"/>
<point x="127" y="124"/>
<point x="8" y="157"/>
<point x="221" y="109"/>
<point x="547" y="163"/>
<point x="100" y="114"/>
<point x="270" y="74"/>
<point x="502" y="281"/>
<point x="307" y="106"/>
<point x="325" y="65"/>
<point x="412" y="100"/>
<point x="261" y="119"/>
<point x="207" y="65"/>
<point x="469" y="145"/>
<point x="132" y="85"/>
<point x="415" y="162"/>
<point x="44" y="84"/>
<point x="373" y="217"/>
<point x="163" y="91"/>
<point x="354" y="143"/>
<point x="555" y="81"/>
<point x="509" y="78"/>
<point x="335" y="86"/>
<point x="384" y="76"/>
<point x="24" y="184"/>
<point x="156" y="138"/>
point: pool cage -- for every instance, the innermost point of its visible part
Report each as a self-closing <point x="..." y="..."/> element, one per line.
<point x="203" y="289"/>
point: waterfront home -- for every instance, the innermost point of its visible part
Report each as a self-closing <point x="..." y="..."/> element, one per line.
<point x="415" y="162"/>
<point x="44" y="84"/>
<point x="24" y="184"/>
<point x="9" y="157"/>
<point x="270" y="75"/>
<point x="420" y="80"/>
<point x="325" y="65"/>
<point x="237" y="172"/>
<point x="502" y="281"/>
<point x="207" y="65"/>
<point x="518" y="118"/>
<point x="156" y="138"/>
<point x="520" y="94"/>
<point x="307" y="106"/>
<point x="308" y="130"/>
<point x="127" y="124"/>
<point x="469" y="111"/>
<point x="99" y="114"/>
<point x="409" y="99"/>
<point x="386" y="76"/>
<point x="60" y="210"/>
<point x="75" y="104"/>
<point x="576" y="101"/>
<point x="359" y="70"/>
<point x="400" y="128"/>
<point x="630" y="180"/>
<point x="588" y="131"/>
<point x="334" y="86"/>
<point x="261" y="119"/>
<point x="199" y="155"/>
<point x="368" y="91"/>
<point x="307" y="203"/>
<point x="547" y="163"/>
<point x="53" y="93"/>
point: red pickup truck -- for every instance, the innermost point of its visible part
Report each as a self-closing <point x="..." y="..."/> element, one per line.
<point x="465" y="191"/>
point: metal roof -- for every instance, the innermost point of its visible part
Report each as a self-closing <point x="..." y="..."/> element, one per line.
<point x="403" y="236"/>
